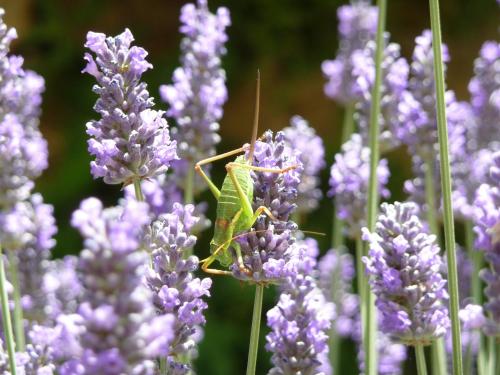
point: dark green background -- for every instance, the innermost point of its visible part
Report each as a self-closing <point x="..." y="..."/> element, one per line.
<point x="287" y="40"/>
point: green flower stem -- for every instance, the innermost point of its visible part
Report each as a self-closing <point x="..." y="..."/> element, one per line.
<point x="6" y="322"/>
<point x="360" y="276"/>
<point x="491" y="355"/>
<point x="477" y="297"/>
<point x="337" y="244"/>
<point x="254" y="333"/>
<point x="438" y="354"/>
<point x="449" y="230"/>
<point x="373" y="193"/>
<point x="430" y="198"/>
<point x="163" y="366"/>
<point x="188" y="188"/>
<point x="438" y="357"/>
<point x="477" y="261"/>
<point x="420" y="355"/>
<point x="18" y="309"/>
<point x="138" y="191"/>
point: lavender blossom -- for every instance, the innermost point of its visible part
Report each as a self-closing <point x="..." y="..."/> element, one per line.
<point x="488" y="239"/>
<point x="176" y="290"/>
<point x="28" y="230"/>
<point x="484" y="88"/>
<point x="131" y="141"/>
<point x="357" y="26"/>
<point x="336" y="274"/>
<point x="198" y="91"/>
<point x="304" y="140"/>
<point x="23" y="151"/>
<point x="349" y="183"/>
<point x="266" y="249"/>
<point x="404" y="264"/>
<point x="62" y="287"/>
<point x="299" y="322"/>
<point x="394" y="82"/>
<point x="120" y="331"/>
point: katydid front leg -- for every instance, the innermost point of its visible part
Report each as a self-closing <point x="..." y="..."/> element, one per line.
<point x="215" y="191"/>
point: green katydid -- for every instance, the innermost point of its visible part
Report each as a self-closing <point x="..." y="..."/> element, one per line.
<point x="234" y="201"/>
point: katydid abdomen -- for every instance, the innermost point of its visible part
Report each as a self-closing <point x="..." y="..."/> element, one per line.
<point x="231" y="218"/>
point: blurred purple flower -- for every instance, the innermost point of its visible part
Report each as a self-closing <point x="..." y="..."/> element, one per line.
<point x="311" y="152"/>
<point x="357" y="26"/>
<point x="121" y="333"/>
<point x="198" y="91"/>
<point x="349" y="183"/>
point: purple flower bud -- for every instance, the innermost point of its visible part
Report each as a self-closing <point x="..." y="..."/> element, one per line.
<point x="404" y="264"/>
<point x="130" y="141"/>
<point x="303" y="139"/>
<point x="349" y="183"/>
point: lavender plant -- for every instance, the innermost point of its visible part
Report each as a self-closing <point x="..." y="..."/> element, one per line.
<point x="403" y="265"/>
<point x="121" y="333"/>
<point x="357" y="26"/>
<point x="198" y="91"/>
<point x="300" y="321"/>
<point x="175" y="289"/>
<point x="349" y="183"/>
<point x="130" y="141"/>
<point x="266" y="249"/>
<point x="303" y="139"/>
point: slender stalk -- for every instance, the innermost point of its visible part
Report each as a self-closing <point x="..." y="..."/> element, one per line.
<point x="138" y="191"/>
<point x="420" y="355"/>
<point x="373" y="193"/>
<point x="438" y="357"/>
<point x="163" y="366"/>
<point x="491" y="355"/>
<point x="254" y="333"/>
<point x="338" y="242"/>
<point x="449" y="230"/>
<point x="477" y="261"/>
<point x="360" y="274"/>
<point x="430" y="198"/>
<point x="188" y="188"/>
<point x="18" y="309"/>
<point x="6" y="322"/>
<point x="468" y="359"/>
<point x="438" y="353"/>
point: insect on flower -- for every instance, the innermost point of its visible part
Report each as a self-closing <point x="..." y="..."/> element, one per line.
<point x="234" y="201"/>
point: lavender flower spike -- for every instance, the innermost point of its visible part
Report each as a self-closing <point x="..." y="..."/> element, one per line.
<point x="23" y="150"/>
<point x="304" y="140"/>
<point x="171" y="279"/>
<point x="267" y="248"/>
<point x="488" y="239"/>
<point x="299" y="322"/>
<point x="121" y="334"/>
<point x="198" y="91"/>
<point x="349" y="183"/>
<point x="131" y="141"/>
<point x="404" y="264"/>
<point x="357" y="25"/>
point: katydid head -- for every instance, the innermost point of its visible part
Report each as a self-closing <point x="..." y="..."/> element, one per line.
<point x="255" y="128"/>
